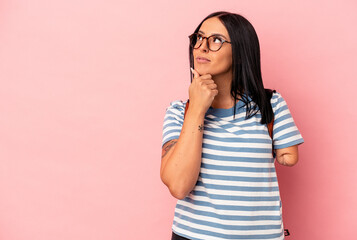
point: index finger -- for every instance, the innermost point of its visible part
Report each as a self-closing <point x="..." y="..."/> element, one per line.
<point x="195" y="73"/>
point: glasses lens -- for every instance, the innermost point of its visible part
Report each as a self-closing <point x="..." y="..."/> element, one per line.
<point x="195" y="40"/>
<point x="214" y="42"/>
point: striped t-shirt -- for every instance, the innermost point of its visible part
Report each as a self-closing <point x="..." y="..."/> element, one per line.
<point x="237" y="193"/>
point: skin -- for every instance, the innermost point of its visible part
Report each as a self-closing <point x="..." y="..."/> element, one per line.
<point x="181" y="158"/>
<point x="220" y="66"/>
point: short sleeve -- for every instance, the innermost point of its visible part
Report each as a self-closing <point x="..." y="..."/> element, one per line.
<point x="285" y="132"/>
<point x="173" y="121"/>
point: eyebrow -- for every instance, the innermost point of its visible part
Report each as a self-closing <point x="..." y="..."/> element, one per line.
<point x="215" y="34"/>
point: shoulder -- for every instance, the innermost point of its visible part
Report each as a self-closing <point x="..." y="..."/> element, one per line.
<point x="276" y="97"/>
<point x="277" y="101"/>
<point x="177" y="104"/>
<point x="176" y="107"/>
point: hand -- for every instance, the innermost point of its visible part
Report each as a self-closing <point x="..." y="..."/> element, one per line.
<point x="202" y="92"/>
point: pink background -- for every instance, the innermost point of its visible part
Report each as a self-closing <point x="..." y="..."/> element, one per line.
<point x="84" y="89"/>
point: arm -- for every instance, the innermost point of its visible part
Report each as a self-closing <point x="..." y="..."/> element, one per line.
<point x="287" y="156"/>
<point x="181" y="158"/>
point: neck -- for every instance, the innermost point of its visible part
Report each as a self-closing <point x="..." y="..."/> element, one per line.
<point x="223" y="99"/>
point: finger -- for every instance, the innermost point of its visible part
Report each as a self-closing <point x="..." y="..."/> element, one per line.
<point x="207" y="81"/>
<point x="212" y="86"/>
<point x="206" y="76"/>
<point x="195" y="73"/>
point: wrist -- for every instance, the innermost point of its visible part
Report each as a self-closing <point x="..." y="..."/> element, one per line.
<point x="197" y="113"/>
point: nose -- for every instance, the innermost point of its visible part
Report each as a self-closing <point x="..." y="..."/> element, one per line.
<point x="204" y="45"/>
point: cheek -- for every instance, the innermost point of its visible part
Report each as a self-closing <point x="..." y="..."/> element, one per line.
<point x="224" y="61"/>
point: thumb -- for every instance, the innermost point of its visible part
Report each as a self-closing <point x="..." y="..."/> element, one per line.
<point x="195" y="73"/>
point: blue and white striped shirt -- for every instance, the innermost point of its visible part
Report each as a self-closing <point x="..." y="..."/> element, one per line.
<point x="237" y="193"/>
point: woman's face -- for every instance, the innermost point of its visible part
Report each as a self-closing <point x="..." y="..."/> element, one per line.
<point x="221" y="60"/>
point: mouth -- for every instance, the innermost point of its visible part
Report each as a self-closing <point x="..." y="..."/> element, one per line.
<point x="202" y="60"/>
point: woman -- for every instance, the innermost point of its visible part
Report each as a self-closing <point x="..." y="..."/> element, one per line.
<point x="217" y="157"/>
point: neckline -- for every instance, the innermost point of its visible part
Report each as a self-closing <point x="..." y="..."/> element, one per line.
<point x="225" y="112"/>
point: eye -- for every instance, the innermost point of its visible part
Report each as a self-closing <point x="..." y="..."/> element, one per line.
<point x="217" y="38"/>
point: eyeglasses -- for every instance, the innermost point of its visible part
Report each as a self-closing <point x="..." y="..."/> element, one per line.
<point x="214" y="42"/>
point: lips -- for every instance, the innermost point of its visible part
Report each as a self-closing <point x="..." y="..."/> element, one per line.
<point x="202" y="59"/>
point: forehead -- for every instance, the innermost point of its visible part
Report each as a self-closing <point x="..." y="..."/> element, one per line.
<point x="214" y="26"/>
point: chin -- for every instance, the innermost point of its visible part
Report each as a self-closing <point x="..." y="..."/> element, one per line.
<point x="202" y="70"/>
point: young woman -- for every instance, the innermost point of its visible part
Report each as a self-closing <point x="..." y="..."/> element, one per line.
<point x="217" y="157"/>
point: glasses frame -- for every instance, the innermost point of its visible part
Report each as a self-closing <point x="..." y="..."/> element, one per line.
<point x="203" y="38"/>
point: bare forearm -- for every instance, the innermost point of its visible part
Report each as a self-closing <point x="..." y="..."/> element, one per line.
<point x="182" y="167"/>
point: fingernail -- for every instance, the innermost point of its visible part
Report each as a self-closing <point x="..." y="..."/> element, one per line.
<point x="191" y="69"/>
